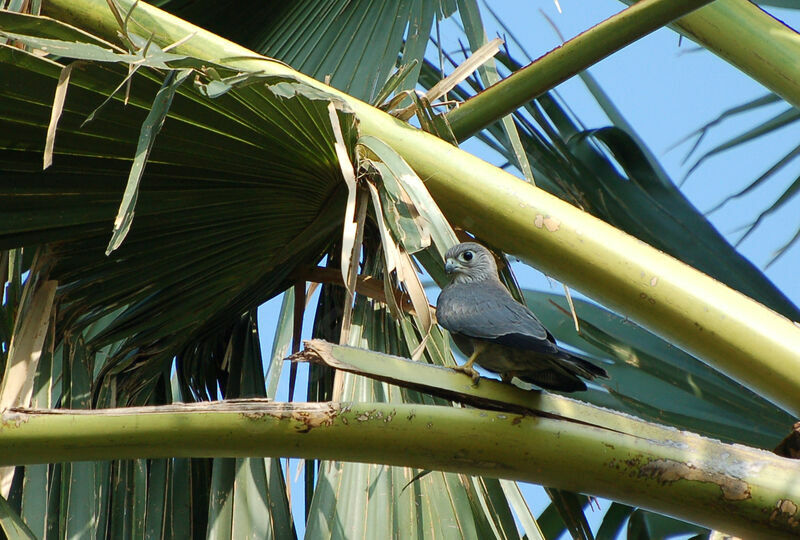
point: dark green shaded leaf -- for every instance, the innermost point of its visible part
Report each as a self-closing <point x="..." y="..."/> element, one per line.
<point x="12" y="524"/>
<point x="644" y="524"/>
<point x="565" y="513"/>
<point x="613" y="521"/>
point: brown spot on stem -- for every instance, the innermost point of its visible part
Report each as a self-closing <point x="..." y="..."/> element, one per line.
<point x="320" y="416"/>
<point x="647" y="298"/>
<point x="12" y="419"/>
<point x="667" y="471"/>
<point x="551" y="224"/>
<point x="785" y="511"/>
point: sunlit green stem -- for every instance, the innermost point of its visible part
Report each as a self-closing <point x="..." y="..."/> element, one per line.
<point x="740" y="490"/>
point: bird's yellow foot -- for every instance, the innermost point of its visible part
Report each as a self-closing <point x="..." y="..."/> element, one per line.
<point x="471" y="371"/>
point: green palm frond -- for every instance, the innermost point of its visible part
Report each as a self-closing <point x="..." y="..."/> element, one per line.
<point x="787" y="117"/>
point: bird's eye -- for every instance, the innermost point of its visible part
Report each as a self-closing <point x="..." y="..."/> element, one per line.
<point x="467" y="256"/>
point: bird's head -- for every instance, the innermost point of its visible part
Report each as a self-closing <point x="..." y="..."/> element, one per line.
<point x="469" y="262"/>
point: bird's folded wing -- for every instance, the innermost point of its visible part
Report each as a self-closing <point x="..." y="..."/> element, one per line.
<point x="488" y="312"/>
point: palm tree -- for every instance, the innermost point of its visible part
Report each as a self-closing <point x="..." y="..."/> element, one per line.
<point x="188" y="179"/>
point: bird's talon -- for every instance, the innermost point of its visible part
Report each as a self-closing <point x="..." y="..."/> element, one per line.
<point x="472" y="372"/>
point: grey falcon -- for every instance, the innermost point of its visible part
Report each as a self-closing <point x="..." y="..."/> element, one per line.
<point x="497" y="332"/>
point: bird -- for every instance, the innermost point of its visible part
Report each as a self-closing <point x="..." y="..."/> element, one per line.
<point x="498" y="333"/>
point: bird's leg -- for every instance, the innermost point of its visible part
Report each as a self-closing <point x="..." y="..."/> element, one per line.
<point x="467" y="368"/>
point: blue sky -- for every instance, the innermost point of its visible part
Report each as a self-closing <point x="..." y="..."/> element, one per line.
<point x="665" y="90"/>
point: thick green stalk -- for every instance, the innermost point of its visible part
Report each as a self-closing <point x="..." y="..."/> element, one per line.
<point x="565" y="61"/>
<point x="735" y="334"/>
<point x="739" y="490"/>
<point x="758" y="44"/>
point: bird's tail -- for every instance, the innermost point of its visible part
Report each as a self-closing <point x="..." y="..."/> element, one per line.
<point x="582" y="367"/>
<point x="563" y="373"/>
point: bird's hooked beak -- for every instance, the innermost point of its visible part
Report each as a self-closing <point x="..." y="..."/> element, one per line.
<point x="450" y="266"/>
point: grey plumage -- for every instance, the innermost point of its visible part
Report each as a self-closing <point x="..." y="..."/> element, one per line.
<point x="499" y="333"/>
